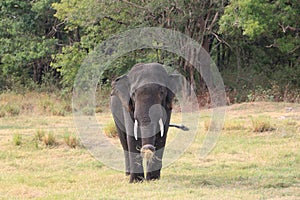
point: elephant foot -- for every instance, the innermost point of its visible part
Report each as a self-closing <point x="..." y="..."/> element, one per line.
<point x="155" y="175"/>
<point x="136" y="177"/>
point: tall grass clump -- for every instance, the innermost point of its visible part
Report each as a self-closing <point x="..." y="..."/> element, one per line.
<point x="110" y="129"/>
<point x="39" y="135"/>
<point x="49" y="140"/>
<point x="12" y="110"/>
<point x="71" y="140"/>
<point x="17" y="139"/>
<point x="2" y="112"/>
<point x="261" y="124"/>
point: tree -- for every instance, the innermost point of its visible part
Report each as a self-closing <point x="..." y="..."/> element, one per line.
<point x="264" y="36"/>
<point x="26" y="41"/>
<point x="96" y="20"/>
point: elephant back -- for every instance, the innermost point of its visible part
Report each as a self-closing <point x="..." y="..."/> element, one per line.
<point x="143" y="74"/>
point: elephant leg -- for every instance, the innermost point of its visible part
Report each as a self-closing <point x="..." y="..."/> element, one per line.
<point x="154" y="175"/>
<point x="135" y="159"/>
<point x="123" y="140"/>
<point x="118" y="116"/>
<point x="154" y="166"/>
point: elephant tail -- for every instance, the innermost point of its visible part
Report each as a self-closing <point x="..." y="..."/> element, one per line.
<point x="182" y="127"/>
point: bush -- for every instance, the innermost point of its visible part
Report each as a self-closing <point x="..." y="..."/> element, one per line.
<point x="262" y="124"/>
<point x="17" y="139"/>
<point x="39" y="135"/>
<point x="12" y="110"/>
<point x="110" y="129"/>
<point x="49" y="139"/>
<point x="71" y="140"/>
<point x="2" y="112"/>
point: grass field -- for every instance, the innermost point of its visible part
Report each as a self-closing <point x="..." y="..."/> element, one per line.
<point x="247" y="163"/>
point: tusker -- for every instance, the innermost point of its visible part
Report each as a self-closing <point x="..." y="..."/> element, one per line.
<point x="141" y="105"/>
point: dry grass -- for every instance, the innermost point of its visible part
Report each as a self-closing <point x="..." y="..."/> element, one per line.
<point x="110" y="129"/>
<point x="234" y="124"/>
<point x="262" y="124"/>
<point x="243" y="165"/>
<point x="38" y="103"/>
<point x="49" y="139"/>
<point x="71" y="140"/>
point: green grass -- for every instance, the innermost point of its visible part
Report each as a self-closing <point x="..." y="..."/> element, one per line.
<point x="17" y="139"/>
<point x="71" y="139"/>
<point x="244" y="164"/>
<point x="110" y="129"/>
<point x="262" y="123"/>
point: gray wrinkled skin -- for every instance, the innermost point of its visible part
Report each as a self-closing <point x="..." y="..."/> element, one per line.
<point x="144" y="95"/>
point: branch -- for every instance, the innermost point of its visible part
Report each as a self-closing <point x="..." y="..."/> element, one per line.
<point x="220" y="39"/>
<point x="55" y="27"/>
<point x="114" y="20"/>
<point x="272" y="45"/>
<point x="213" y="21"/>
<point x="295" y="49"/>
<point x="288" y="27"/>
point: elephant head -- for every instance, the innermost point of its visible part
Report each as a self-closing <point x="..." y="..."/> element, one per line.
<point x="146" y="93"/>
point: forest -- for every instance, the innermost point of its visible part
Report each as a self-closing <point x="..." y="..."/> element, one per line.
<point x="254" y="43"/>
<point x="54" y="139"/>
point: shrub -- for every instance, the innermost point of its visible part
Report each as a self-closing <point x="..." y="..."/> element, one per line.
<point x="71" y="140"/>
<point x="58" y="110"/>
<point x="110" y="129"/>
<point x="13" y="110"/>
<point x="49" y="139"/>
<point x="39" y="135"/>
<point x="45" y="103"/>
<point x="262" y="124"/>
<point x="17" y="139"/>
<point x="2" y="112"/>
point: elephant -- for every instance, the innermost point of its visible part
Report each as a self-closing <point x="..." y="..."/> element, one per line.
<point x="141" y="105"/>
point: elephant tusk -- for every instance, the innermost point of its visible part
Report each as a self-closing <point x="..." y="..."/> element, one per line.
<point x="135" y="129"/>
<point x="161" y="125"/>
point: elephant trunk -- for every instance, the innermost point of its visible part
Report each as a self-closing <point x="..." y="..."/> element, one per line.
<point x="136" y="124"/>
<point x="149" y="135"/>
<point x="147" y="152"/>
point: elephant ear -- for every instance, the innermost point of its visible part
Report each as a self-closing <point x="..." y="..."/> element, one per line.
<point x="121" y="88"/>
<point x="174" y="85"/>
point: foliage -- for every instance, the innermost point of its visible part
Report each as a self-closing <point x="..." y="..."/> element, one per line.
<point x="254" y="43"/>
<point x="264" y="37"/>
<point x="25" y="40"/>
<point x="68" y="63"/>
<point x="11" y="110"/>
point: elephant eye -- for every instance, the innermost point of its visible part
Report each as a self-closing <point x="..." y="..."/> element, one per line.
<point x="162" y="92"/>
